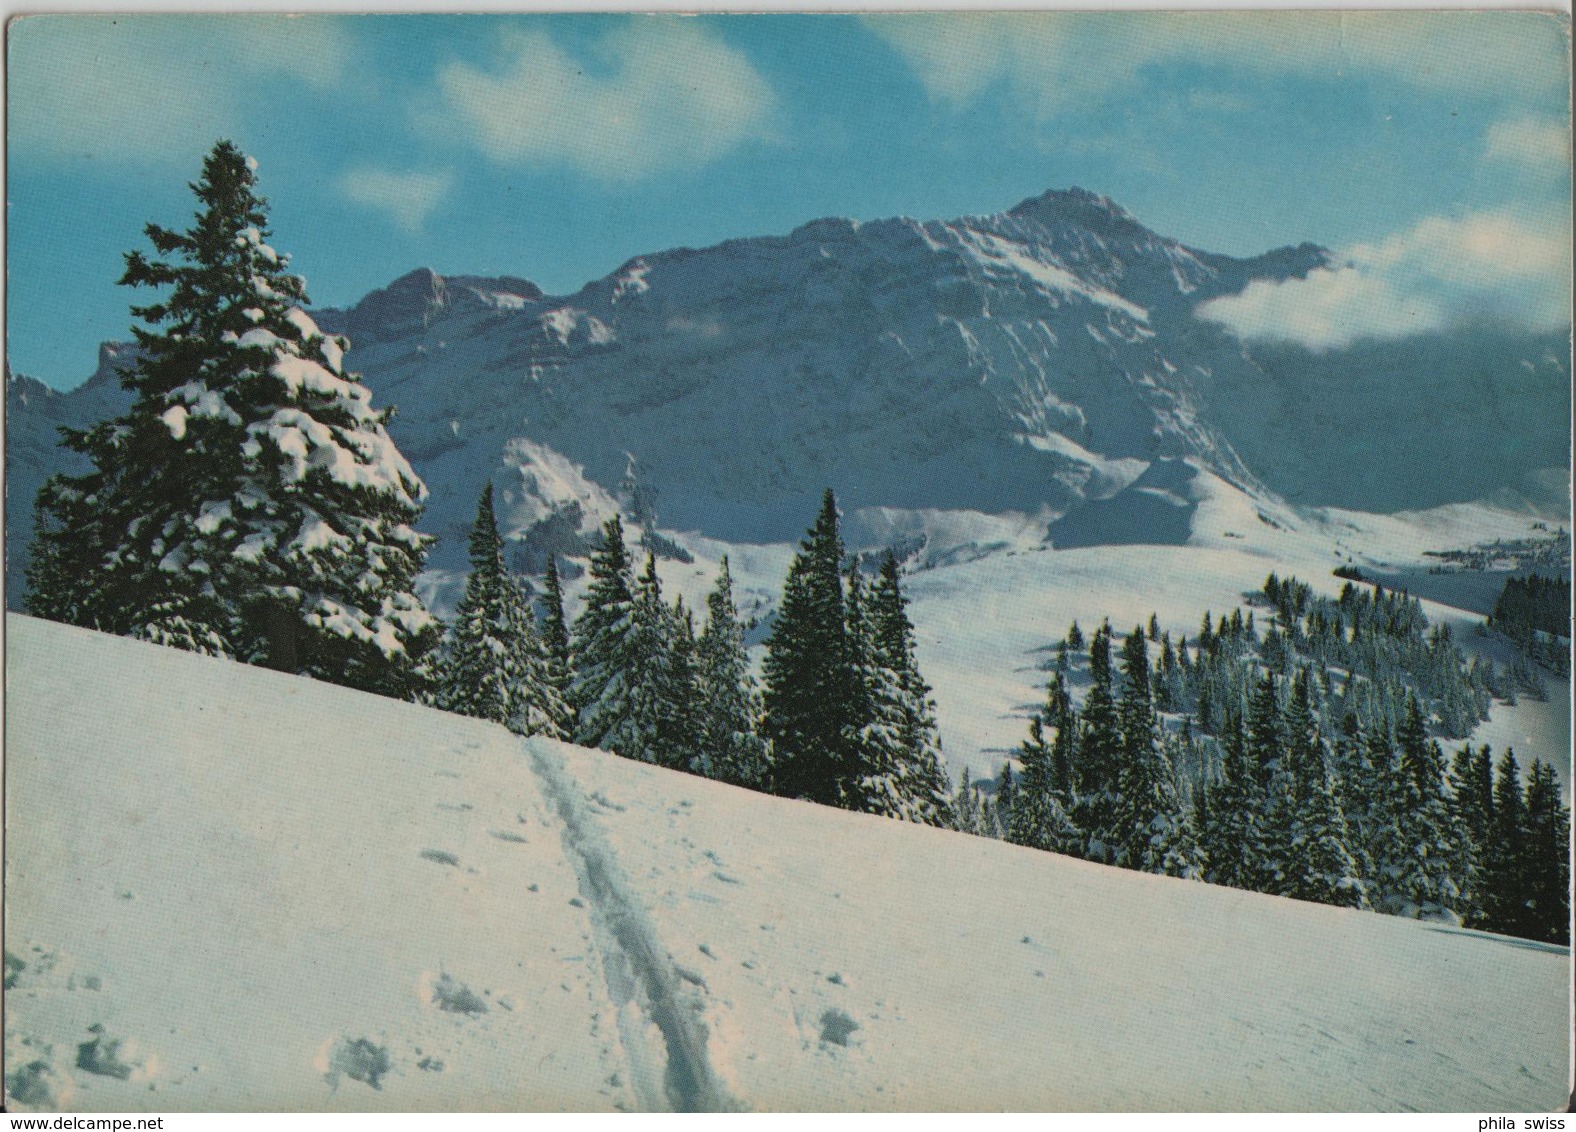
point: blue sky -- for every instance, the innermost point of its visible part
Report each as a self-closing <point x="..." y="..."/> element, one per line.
<point x="1431" y="150"/>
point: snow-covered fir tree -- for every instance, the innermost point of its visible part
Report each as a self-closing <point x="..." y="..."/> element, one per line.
<point x="998" y="810"/>
<point x="1384" y="838"/>
<point x="555" y="639"/>
<point x="634" y="661"/>
<point x="675" y="694"/>
<point x="1099" y="756"/>
<point x="968" y="807"/>
<point x="899" y="746"/>
<point x="731" y="748"/>
<point x="495" y="665"/>
<point x="1425" y="885"/>
<point x="599" y="647"/>
<point x="813" y="694"/>
<point x="1042" y="817"/>
<point x="1504" y="879"/>
<point x="1230" y="833"/>
<point x="1150" y="832"/>
<point x="1349" y="763"/>
<point x="1472" y="807"/>
<point x="1547" y="851"/>
<point x="250" y="503"/>
<point x="1317" y="865"/>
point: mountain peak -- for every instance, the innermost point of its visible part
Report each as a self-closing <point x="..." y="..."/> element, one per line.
<point x="405" y="303"/>
<point x="1073" y="205"/>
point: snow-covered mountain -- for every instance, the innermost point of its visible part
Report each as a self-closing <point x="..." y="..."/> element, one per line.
<point x="235" y="889"/>
<point x="1021" y="362"/>
<point x="1028" y="363"/>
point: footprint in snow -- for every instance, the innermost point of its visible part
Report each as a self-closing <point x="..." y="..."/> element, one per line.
<point x="836" y="1027"/>
<point x="105" y="1056"/>
<point x="454" y="997"/>
<point x="34" y="1075"/>
<point x="690" y="976"/>
<point x="360" y="1060"/>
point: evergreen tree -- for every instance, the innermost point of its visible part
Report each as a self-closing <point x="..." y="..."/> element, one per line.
<point x="494" y="665"/>
<point x="680" y="730"/>
<point x="250" y="503"/>
<point x="1150" y="832"/>
<point x="1006" y="801"/>
<point x="1231" y="837"/>
<point x="967" y="811"/>
<point x="1505" y="896"/>
<point x="730" y="703"/>
<point x="555" y="638"/>
<point x="1385" y="836"/>
<point x="600" y="647"/>
<point x="1040" y="817"/>
<point x="1355" y="777"/>
<point x="1425" y="881"/>
<point x="658" y="726"/>
<point x="1099" y="755"/>
<point x="903" y="774"/>
<point x="1265" y="741"/>
<point x="1547" y="857"/>
<point x="1318" y="865"/>
<point x="1472" y="780"/>
<point x="813" y="697"/>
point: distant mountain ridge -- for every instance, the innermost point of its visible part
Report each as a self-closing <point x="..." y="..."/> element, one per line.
<point x="1015" y="362"/>
<point x="1029" y="361"/>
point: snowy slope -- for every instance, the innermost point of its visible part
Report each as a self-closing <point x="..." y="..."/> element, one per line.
<point x="986" y="627"/>
<point x="231" y="888"/>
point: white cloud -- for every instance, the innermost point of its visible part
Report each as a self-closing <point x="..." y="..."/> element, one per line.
<point x="1443" y="270"/>
<point x="958" y="55"/>
<point x="153" y="88"/>
<point x="1326" y="309"/>
<point x="1540" y="144"/>
<point x="407" y="198"/>
<point x="660" y="93"/>
<point x="1061" y="57"/>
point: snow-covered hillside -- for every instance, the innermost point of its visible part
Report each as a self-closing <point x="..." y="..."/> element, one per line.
<point x="986" y="626"/>
<point x="229" y="888"/>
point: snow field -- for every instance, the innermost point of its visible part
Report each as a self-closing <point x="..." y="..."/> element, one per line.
<point x="261" y="871"/>
<point x="295" y="888"/>
<point x="978" y="975"/>
<point x="986" y="627"/>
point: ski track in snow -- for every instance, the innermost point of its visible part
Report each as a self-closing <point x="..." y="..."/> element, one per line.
<point x="639" y="970"/>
